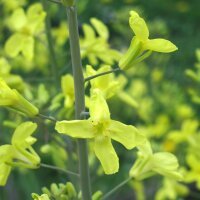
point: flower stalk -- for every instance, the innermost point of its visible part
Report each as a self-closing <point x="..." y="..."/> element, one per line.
<point x="79" y="100"/>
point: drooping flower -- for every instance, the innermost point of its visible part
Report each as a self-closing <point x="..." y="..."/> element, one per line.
<point x="141" y="46"/>
<point x="102" y="129"/>
<point x="23" y="141"/>
<point x="149" y="163"/>
<point x="11" y="98"/>
<point x="20" y="153"/>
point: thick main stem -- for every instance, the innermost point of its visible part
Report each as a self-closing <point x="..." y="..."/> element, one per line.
<point x="79" y="100"/>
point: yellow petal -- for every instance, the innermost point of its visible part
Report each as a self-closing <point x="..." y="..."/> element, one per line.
<point x="138" y="26"/>
<point x="99" y="110"/>
<point x="106" y="154"/>
<point x="101" y="29"/>
<point x="76" y="128"/>
<point x="67" y="84"/>
<point x="127" y="135"/>
<point x="6" y="153"/>
<point x="22" y="133"/>
<point x="28" y="47"/>
<point x="5" y="171"/>
<point x="14" y="44"/>
<point x="17" y="20"/>
<point x="160" y="45"/>
<point x="166" y="164"/>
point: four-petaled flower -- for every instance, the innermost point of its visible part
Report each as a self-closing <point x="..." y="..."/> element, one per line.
<point x="141" y="46"/>
<point x="20" y="153"/>
<point x="102" y="129"/>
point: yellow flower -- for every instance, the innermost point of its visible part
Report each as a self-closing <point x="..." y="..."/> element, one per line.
<point x="149" y="163"/>
<point x="20" y="153"/>
<point x="141" y="46"/>
<point x="11" y="98"/>
<point x="102" y="129"/>
<point x="26" y="26"/>
<point x="95" y="46"/>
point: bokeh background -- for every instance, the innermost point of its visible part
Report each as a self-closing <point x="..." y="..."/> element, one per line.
<point x="166" y="87"/>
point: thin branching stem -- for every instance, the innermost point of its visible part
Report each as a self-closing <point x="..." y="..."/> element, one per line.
<point x="116" y="188"/>
<point x="47" y="117"/>
<point x="59" y="169"/>
<point x="55" y="1"/>
<point x="101" y="74"/>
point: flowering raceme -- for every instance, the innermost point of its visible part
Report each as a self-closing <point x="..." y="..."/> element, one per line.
<point x="11" y="98"/>
<point x="141" y="46"/>
<point x="102" y="129"/>
<point x="20" y="153"/>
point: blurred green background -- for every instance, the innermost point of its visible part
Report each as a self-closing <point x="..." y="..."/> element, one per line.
<point x="175" y="20"/>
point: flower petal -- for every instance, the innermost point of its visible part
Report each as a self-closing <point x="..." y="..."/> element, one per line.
<point x="160" y="45"/>
<point x="28" y="47"/>
<point x="76" y="128"/>
<point x="127" y="135"/>
<point x="138" y="26"/>
<point x="166" y="164"/>
<point x="14" y="44"/>
<point x="6" y="153"/>
<point x="99" y="110"/>
<point x="4" y="173"/>
<point x="22" y="133"/>
<point x="106" y="154"/>
<point x="100" y="27"/>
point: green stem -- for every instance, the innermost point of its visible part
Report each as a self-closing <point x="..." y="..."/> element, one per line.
<point x="55" y="1"/>
<point x="59" y="169"/>
<point x="54" y="64"/>
<point x="47" y="117"/>
<point x="116" y="188"/>
<point x="101" y="74"/>
<point x="79" y="100"/>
